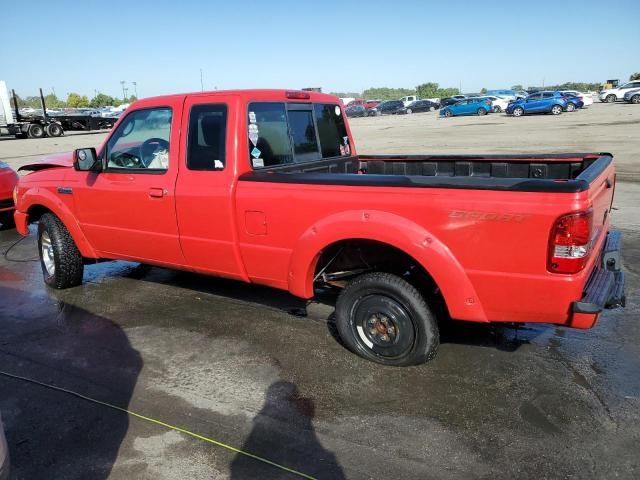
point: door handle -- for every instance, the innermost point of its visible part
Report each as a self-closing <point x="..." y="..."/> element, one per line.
<point x="157" y="192"/>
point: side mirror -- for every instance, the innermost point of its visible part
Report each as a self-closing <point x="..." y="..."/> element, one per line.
<point x="86" y="160"/>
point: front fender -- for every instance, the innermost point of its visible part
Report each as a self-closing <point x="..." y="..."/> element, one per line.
<point x="393" y="230"/>
<point x="38" y="196"/>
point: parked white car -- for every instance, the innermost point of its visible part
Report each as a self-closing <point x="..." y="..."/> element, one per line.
<point x="498" y="104"/>
<point x="586" y="98"/>
<point x="613" y="94"/>
<point x="4" y="455"/>
<point x="409" y="99"/>
<point x="632" y="96"/>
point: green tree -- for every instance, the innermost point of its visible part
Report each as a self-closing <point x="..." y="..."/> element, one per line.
<point x="52" y="101"/>
<point x="483" y="91"/>
<point x="101" y="100"/>
<point x="386" y="93"/>
<point x="347" y="94"/>
<point x="635" y="76"/>
<point x="75" y="100"/>
<point x="517" y="87"/>
<point x="428" y="90"/>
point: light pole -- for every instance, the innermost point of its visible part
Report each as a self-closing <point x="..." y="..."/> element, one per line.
<point x="135" y="88"/>
<point x="124" y="91"/>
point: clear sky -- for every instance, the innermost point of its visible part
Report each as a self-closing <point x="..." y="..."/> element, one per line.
<point x="87" y="45"/>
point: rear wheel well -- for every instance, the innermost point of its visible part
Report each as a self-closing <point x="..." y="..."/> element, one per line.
<point x="343" y="260"/>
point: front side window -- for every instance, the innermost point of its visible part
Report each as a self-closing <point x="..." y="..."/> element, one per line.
<point x="207" y="135"/>
<point x="141" y="141"/>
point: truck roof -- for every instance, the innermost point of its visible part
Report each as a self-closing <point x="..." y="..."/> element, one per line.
<point x="251" y="94"/>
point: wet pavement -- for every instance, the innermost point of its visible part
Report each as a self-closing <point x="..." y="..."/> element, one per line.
<point x="239" y="364"/>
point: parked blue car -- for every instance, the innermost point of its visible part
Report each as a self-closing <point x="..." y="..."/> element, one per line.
<point x="468" y="106"/>
<point x="541" y="102"/>
<point x="573" y="101"/>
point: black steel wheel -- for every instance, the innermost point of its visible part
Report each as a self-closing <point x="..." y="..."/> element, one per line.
<point x="383" y="318"/>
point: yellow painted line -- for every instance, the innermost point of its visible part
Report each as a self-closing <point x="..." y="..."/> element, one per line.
<point x="158" y="422"/>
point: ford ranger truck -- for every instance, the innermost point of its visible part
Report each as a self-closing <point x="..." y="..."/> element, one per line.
<point x="266" y="187"/>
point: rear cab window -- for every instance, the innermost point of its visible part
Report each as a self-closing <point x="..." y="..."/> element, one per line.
<point x="282" y="133"/>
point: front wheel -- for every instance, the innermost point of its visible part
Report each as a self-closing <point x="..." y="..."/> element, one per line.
<point x="635" y="99"/>
<point x="448" y="113"/>
<point x="556" y="110"/>
<point x="518" y="112"/>
<point x="409" y="111"/>
<point x="611" y="98"/>
<point x="383" y="318"/>
<point x="60" y="258"/>
<point x="481" y="112"/>
<point x="571" y="107"/>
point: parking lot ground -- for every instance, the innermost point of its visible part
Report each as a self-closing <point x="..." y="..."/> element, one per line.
<point x="239" y="364"/>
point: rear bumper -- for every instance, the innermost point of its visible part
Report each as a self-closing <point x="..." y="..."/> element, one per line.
<point x="605" y="287"/>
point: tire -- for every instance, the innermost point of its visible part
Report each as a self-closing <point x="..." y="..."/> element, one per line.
<point x="35" y="131"/>
<point x="409" y="111"/>
<point x="448" y="113"/>
<point x="60" y="259"/>
<point x="54" y="130"/>
<point x="431" y="109"/>
<point x="611" y="99"/>
<point x="571" y="107"/>
<point x="6" y="220"/>
<point x="635" y="99"/>
<point x="518" y="112"/>
<point x="383" y="318"/>
<point x="556" y="110"/>
<point x="481" y="112"/>
<point x="497" y="109"/>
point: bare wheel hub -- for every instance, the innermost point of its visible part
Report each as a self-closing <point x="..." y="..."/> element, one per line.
<point x="381" y="328"/>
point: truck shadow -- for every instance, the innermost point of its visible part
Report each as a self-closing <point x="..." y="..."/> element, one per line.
<point x="52" y="434"/>
<point x="501" y="336"/>
<point x="283" y="432"/>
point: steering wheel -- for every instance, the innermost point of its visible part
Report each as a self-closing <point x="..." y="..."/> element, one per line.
<point x="151" y="146"/>
<point x="126" y="160"/>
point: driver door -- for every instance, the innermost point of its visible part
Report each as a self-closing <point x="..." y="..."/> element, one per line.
<point x="128" y="210"/>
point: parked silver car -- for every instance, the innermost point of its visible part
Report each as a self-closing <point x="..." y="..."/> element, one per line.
<point x="4" y="455"/>
<point x="632" y="96"/>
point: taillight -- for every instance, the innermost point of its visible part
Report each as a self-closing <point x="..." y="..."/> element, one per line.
<point x="297" y="95"/>
<point x="570" y="243"/>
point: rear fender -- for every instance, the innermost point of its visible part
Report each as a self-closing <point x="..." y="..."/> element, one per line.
<point x="393" y="230"/>
<point x="45" y="198"/>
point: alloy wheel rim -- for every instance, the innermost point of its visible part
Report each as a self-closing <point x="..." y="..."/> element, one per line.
<point x="46" y="248"/>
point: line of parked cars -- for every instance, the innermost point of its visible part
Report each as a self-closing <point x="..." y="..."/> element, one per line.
<point x="625" y="92"/>
<point x="511" y="102"/>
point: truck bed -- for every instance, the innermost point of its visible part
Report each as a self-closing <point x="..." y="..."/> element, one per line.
<point x="572" y="172"/>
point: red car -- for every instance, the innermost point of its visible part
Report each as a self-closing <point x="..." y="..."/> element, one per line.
<point x="355" y="103"/>
<point x="371" y="103"/>
<point x="8" y="180"/>
<point x="264" y="186"/>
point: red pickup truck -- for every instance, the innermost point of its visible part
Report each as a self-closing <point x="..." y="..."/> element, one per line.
<point x="265" y="186"/>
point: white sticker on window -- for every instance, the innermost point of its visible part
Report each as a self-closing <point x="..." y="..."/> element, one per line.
<point x="257" y="162"/>
<point x="218" y="164"/>
<point x="252" y="117"/>
<point x="253" y="136"/>
<point x="338" y="111"/>
<point x="253" y="128"/>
